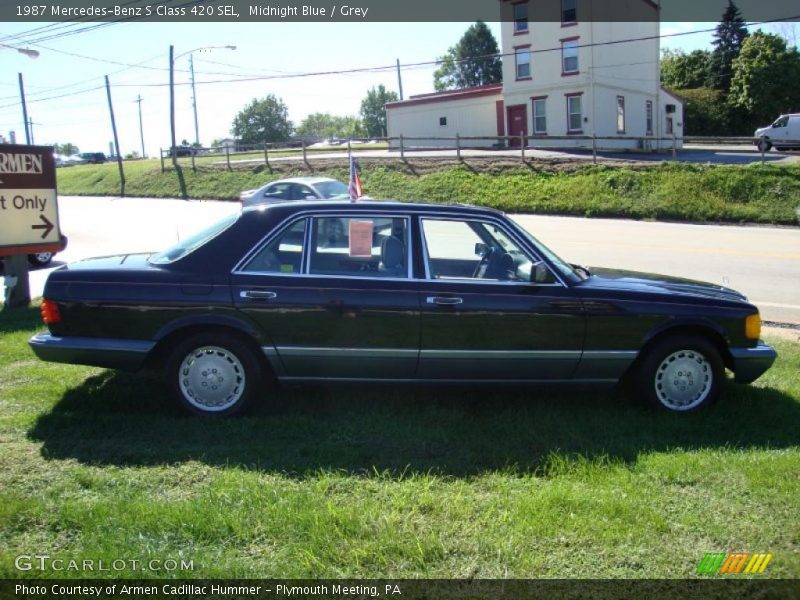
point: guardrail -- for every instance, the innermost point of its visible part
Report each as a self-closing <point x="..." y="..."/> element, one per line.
<point x="402" y="144"/>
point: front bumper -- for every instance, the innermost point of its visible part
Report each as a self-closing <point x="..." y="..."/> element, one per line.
<point x="98" y="352"/>
<point x="750" y="363"/>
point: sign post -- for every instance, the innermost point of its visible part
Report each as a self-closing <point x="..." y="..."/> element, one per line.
<point x="28" y="213"/>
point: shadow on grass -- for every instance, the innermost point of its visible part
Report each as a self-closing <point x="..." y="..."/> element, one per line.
<point x="127" y="420"/>
<point x="20" y="319"/>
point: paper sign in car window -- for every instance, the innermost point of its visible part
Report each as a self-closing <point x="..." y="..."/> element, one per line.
<point x="361" y="238"/>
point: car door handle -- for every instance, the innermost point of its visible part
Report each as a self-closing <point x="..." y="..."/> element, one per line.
<point x="444" y="300"/>
<point x="258" y="295"/>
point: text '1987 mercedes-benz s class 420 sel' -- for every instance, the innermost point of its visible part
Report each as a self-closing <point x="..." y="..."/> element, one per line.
<point x="402" y="293"/>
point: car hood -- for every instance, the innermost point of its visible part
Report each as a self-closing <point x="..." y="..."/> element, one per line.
<point x="618" y="279"/>
<point x="762" y="131"/>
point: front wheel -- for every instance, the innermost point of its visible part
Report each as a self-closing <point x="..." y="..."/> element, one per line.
<point x="681" y="373"/>
<point x="213" y="374"/>
<point x="764" y="145"/>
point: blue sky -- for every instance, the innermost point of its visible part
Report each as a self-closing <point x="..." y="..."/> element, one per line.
<point x="263" y="49"/>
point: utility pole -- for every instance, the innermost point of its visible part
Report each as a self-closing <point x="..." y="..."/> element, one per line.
<point x="194" y="101"/>
<point x="30" y="123"/>
<point x="24" y="110"/>
<point x="399" y="79"/>
<point x="172" y="151"/>
<point x="116" y="139"/>
<point x="141" y="129"/>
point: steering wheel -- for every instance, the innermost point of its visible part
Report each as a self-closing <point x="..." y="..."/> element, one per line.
<point x="480" y="269"/>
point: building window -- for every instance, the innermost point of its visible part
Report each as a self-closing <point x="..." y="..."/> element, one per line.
<point x="539" y="116"/>
<point x="574" y="114"/>
<point x="442" y="121"/>
<point x="522" y="62"/>
<point x="569" y="12"/>
<point x="649" y="116"/>
<point x="569" y="56"/>
<point x="670" y="127"/>
<point x="620" y="114"/>
<point x="521" y="17"/>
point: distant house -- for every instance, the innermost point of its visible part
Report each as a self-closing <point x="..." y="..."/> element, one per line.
<point x="562" y="76"/>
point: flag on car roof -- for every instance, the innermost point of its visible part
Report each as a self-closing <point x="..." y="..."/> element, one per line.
<point x="355" y="183"/>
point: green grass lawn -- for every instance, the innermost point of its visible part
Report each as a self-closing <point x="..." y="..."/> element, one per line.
<point x="669" y="191"/>
<point x="383" y="482"/>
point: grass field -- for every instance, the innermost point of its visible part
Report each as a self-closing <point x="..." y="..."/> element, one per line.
<point x="681" y="192"/>
<point x="385" y="482"/>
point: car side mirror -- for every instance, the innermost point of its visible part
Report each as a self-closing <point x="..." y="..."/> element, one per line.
<point x="481" y="249"/>
<point x="540" y="273"/>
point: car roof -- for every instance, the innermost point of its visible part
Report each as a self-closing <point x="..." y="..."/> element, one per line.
<point x="372" y="205"/>
<point x="309" y="180"/>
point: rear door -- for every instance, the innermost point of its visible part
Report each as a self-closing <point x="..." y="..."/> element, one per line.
<point x="335" y="309"/>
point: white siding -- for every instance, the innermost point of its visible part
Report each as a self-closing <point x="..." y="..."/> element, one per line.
<point x="465" y="117"/>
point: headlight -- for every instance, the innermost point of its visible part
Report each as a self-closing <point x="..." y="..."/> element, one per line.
<point x="752" y="327"/>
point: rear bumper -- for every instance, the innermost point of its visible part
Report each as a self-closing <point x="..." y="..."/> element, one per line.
<point x="97" y="352"/>
<point x="750" y="363"/>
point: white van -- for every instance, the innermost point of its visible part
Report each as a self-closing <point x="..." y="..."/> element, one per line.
<point x="784" y="134"/>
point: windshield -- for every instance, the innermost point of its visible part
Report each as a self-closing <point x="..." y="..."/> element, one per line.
<point x="332" y="189"/>
<point x="564" y="268"/>
<point x="192" y="242"/>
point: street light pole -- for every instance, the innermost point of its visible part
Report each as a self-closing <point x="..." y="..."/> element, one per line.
<point x="24" y="110"/>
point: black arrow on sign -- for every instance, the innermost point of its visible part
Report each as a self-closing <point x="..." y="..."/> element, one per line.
<point x="46" y="225"/>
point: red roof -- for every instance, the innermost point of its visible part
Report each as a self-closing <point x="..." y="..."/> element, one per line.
<point x="447" y="95"/>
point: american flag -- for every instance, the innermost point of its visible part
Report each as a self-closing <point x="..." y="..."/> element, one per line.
<point x="355" y="183"/>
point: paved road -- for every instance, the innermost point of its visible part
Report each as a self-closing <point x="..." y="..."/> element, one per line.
<point x="729" y="155"/>
<point x="762" y="262"/>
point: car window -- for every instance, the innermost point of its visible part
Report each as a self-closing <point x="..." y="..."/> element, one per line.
<point x="466" y="249"/>
<point x="359" y="246"/>
<point x="782" y="122"/>
<point x="332" y="189"/>
<point x="279" y="191"/>
<point x="192" y="242"/>
<point x="302" y="192"/>
<point x="284" y="254"/>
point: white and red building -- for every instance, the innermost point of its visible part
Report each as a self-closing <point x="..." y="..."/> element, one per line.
<point x="563" y="76"/>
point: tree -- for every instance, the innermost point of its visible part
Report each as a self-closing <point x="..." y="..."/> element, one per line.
<point x="704" y="111"/>
<point x="766" y="78"/>
<point x="66" y="149"/>
<point x="326" y="125"/>
<point x="728" y="40"/>
<point x="473" y="61"/>
<point x="265" y="120"/>
<point x="373" y="110"/>
<point x="684" y="71"/>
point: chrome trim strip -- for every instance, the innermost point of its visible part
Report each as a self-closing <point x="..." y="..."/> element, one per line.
<point x="501" y="354"/>
<point x="274" y="360"/>
<point x="450" y="380"/>
<point x="609" y="354"/>
<point x="348" y="352"/>
<point x="94" y="344"/>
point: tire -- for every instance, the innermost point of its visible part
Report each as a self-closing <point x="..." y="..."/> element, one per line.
<point x="213" y="374"/>
<point x="680" y="373"/>
<point x="40" y="259"/>
<point x="764" y="145"/>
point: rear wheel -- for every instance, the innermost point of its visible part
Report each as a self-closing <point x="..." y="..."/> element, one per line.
<point x="213" y="374"/>
<point x="680" y="374"/>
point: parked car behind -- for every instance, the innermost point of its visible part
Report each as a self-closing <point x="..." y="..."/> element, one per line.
<point x="783" y="134"/>
<point x="42" y="259"/>
<point x="414" y="293"/>
<point x="95" y="158"/>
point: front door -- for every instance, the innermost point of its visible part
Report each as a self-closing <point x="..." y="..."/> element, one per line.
<point x="517" y="123"/>
<point x="335" y="302"/>
<point x="488" y="312"/>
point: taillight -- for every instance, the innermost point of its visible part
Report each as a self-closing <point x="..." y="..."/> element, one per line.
<point x="50" y="314"/>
